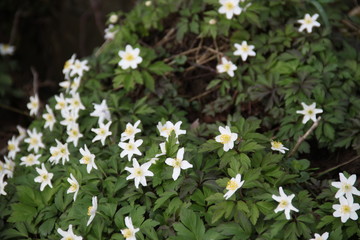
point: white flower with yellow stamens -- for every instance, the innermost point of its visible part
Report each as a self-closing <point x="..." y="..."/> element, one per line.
<point x="34" y="105"/>
<point x="6" y="49"/>
<point x="278" y="146"/>
<point x="44" y="177"/>
<point x="230" y="8"/>
<point x="74" y="135"/>
<point x="226" y="66"/>
<point x="166" y="129"/>
<point x="75" y="102"/>
<point x="69" y="234"/>
<point x="13" y="147"/>
<point x="34" y="140"/>
<point x="130" y="131"/>
<point x="233" y="185"/>
<point x="346" y="209"/>
<point x="9" y="167"/>
<point x="102" y="132"/>
<point x="309" y="112"/>
<point x="130" y="148"/>
<point x="130" y="57"/>
<point x="78" y="68"/>
<point x="30" y="160"/>
<point x="317" y="236"/>
<point x="227" y="138"/>
<point x="139" y="173"/>
<point x="92" y="210"/>
<point x="244" y="50"/>
<point x="49" y="117"/>
<point x="59" y="152"/>
<point x="101" y="111"/>
<point x="346" y="186"/>
<point x="74" y="186"/>
<point x="308" y="22"/>
<point x="178" y="163"/>
<point x="87" y="158"/>
<point x="129" y="232"/>
<point x="70" y="117"/>
<point x="284" y="203"/>
<point x="68" y="65"/>
<point x="61" y="103"/>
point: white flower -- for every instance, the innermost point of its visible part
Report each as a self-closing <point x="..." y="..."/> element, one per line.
<point x="230" y="7"/>
<point x="212" y="21"/>
<point x="163" y="152"/>
<point x="308" y="22"/>
<point x="69" y="234"/>
<point x="30" y="160"/>
<point x="130" y="131"/>
<point x="101" y="111"/>
<point x="226" y="66"/>
<point x="278" y="146"/>
<point x="60" y="103"/>
<point x="102" y="132"/>
<point x="284" y="203"/>
<point x="9" y="167"/>
<point x="68" y="65"/>
<point x="226" y="137"/>
<point x="74" y="186"/>
<point x="109" y="32"/>
<point x="34" y="105"/>
<point x="309" y="112"/>
<point x="178" y="163"/>
<point x="78" y="68"/>
<point x="61" y="151"/>
<point x="139" y="173"/>
<point x="244" y="50"/>
<point x="6" y="49"/>
<point x="346" y="186"/>
<point x="75" y="102"/>
<point x="166" y="129"/>
<point x="34" y="140"/>
<point x="92" y="210"/>
<point x="130" y="57"/>
<point x="2" y="185"/>
<point x="129" y="232"/>
<point x="148" y="3"/>
<point x="75" y="84"/>
<point x="87" y="158"/>
<point x="22" y="133"/>
<point x="49" y="118"/>
<point x="44" y="177"/>
<point x="70" y="118"/>
<point x="113" y="18"/>
<point x="130" y="148"/>
<point x="346" y="209"/>
<point x="324" y="236"/>
<point x="233" y="185"/>
<point x="74" y="135"/>
<point x="65" y="84"/>
<point x="13" y="147"/>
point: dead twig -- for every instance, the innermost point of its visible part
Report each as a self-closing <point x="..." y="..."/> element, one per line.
<point x="337" y="166"/>
<point x="15" y="26"/>
<point x="204" y="93"/>
<point x="168" y="36"/>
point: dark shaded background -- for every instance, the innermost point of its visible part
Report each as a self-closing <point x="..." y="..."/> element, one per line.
<point x="46" y="33"/>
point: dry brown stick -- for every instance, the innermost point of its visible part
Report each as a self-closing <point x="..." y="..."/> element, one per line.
<point x="35" y="80"/>
<point x="15" y="26"/>
<point x="337" y="166"/>
<point x="302" y="138"/>
<point x="166" y="38"/>
<point x="215" y="51"/>
<point x="96" y="6"/>
<point x="180" y="54"/>
<point x="204" y="93"/>
<point x="201" y="62"/>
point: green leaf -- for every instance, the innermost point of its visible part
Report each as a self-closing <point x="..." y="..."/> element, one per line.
<point x="149" y="81"/>
<point x="160" y="68"/>
<point x="163" y="197"/>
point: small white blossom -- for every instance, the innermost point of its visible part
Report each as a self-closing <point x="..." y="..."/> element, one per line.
<point x="78" y="68"/>
<point x="346" y="186"/>
<point x="139" y="173"/>
<point x="49" y="118"/>
<point x="317" y="236"/>
<point x="284" y="203"/>
<point x="101" y="111"/>
<point x="166" y="129"/>
<point x="44" y="177"/>
<point x="148" y="3"/>
<point x="87" y="158"/>
<point x="13" y="147"/>
<point x="2" y="185"/>
<point x="109" y="32"/>
<point x="74" y="186"/>
<point x="129" y="232"/>
<point x="70" y="118"/>
<point x="22" y="133"/>
<point x="226" y="66"/>
<point x="178" y="163"/>
<point x="6" y="49"/>
<point x="65" y="84"/>
<point x="233" y="185"/>
<point x="113" y="18"/>
<point x="30" y="160"/>
<point x="34" y="140"/>
<point x="309" y="112"/>
<point x="75" y="102"/>
<point x="68" y="66"/>
<point x="69" y="234"/>
<point x="75" y="84"/>
<point x="226" y="137"/>
<point x="278" y="146"/>
<point x="59" y="152"/>
<point x="34" y="105"/>
<point x="9" y="167"/>
<point x="130" y="131"/>
<point x="230" y="8"/>
<point x="60" y="103"/>
<point x="308" y="22"/>
<point x="74" y="135"/>
<point x="130" y="148"/>
<point x="346" y="209"/>
<point x="130" y="57"/>
<point x="102" y="132"/>
<point x="92" y="210"/>
<point x="244" y="50"/>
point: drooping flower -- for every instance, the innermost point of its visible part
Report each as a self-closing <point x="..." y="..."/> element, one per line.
<point x="59" y="152"/>
<point x="309" y="112"/>
<point x="34" y="140"/>
<point x="44" y="177"/>
<point x="22" y="133"/>
<point x="244" y="50"/>
<point x="233" y="185"/>
<point x="101" y="111"/>
<point x="317" y="236"/>
<point x="130" y="131"/>
<point x="13" y="147"/>
<point x="30" y="160"/>
<point x="49" y="118"/>
<point x="78" y="68"/>
<point x="130" y="57"/>
<point x="110" y="32"/>
<point x="178" y="163"/>
<point x="139" y="173"/>
<point x="6" y="49"/>
<point x="130" y="148"/>
<point x="74" y="186"/>
<point x="92" y="210"/>
<point x="166" y="129"/>
<point x="102" y="132"/>
<point x="87" y="158"/>
<point x="226" y="66"/>
<point x="226" y="137"/>
<point x="284" y="203"/>
<point x="74" y="135"/>
<point x="346" y="186"/>
<point x="346" y="209"/>
<point x="230" y="8"/>
<point x="308" y="22"/>
<point x="34" y="105"/>
<point x="69" y="234"/>
<point x="130" y="231"/>
<point x="278" y="146"/>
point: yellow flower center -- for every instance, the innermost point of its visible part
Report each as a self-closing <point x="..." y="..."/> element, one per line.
<point x="138" y="172"/>
<point x="1" y="168"/>
<point x="129" y="57"/>
<point x="130" y="146"/>
<point x="34" y="104"/>
<point x="69" y="238"/>
<point x="102" y="131"/>
<point x="310" y="112"/>
<point x="177" y="163"/>
<point x="73" y="187"/>
<point x="345" y="209"/>
<point x="129" y="131"/>
<point x="232" y="185"/>
<point x="34" y="141"/>
<point x="76" y="103"/>
<point x="227" y="67"/>
<point x="229" y="6"/>
<point x="67" y="64"/>
<point x="11" y="147"/>
<point x="127" y="233"/>
<point x="89" y="213"/>
<point x="30" y="159"/>
<point x="44" y="177"/>
<point x="61" y="104"/>
<point x="86" y="159"/>
<point x="49" y="117"/>
<point x="55" y="153"/>
<point x="225" y="138"/>
<point x="308" y="20"/>
<point x="74" y="132"/>
<point x="284" y="203"/>
<point x="78" y="65"/>
<point x="63" y="150"/>
<point x="245" y="48"/>
<point x="347" y="187"/>
<point x="6" y="46"/>
<point x="276" y="144"/>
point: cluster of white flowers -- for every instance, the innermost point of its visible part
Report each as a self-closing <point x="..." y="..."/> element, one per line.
<point x="111" y="30"/>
